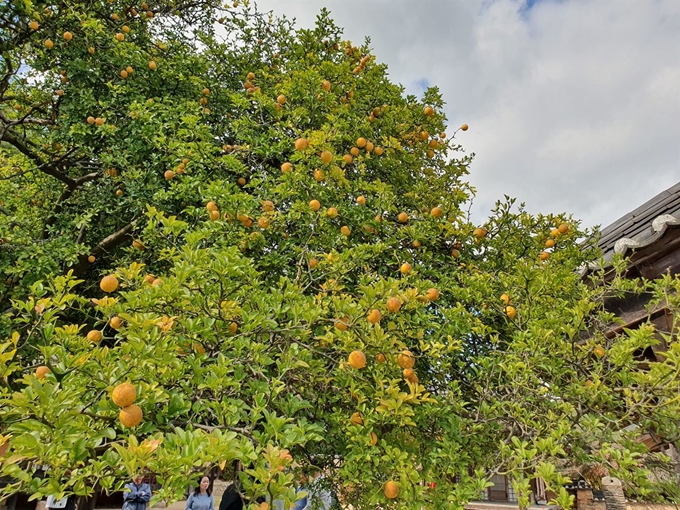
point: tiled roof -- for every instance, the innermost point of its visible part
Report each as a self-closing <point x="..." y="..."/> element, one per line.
<point x="641" y="227"/>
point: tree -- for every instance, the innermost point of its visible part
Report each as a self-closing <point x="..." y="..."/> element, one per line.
<point x="257" y="235"/>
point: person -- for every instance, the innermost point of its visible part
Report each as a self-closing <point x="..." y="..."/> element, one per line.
<point x="137" y="495"/>
<point x="231" y="499"/>
<point x="201" y="498"/>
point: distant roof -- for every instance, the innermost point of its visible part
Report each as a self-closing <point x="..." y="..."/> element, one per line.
<point x="642" y="227"/>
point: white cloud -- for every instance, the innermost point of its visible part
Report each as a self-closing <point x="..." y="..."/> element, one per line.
<point x="573" y="105"/>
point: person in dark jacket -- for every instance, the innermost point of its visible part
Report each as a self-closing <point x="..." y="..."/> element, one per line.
<point x="231" y="499"/>
<point x="137" y="494"/>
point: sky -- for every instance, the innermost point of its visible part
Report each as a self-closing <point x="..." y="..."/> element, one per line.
<point x="573" y="105"/>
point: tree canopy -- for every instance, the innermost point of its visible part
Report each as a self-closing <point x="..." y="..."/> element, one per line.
<point x="225" y="238"/>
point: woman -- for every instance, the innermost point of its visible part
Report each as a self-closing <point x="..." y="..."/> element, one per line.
<point x="201" y="498"/>
<point x="138" y="494"/>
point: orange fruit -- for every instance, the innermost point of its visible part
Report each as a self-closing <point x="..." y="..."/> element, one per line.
<point x="59" y="92"/>
<point x="301" y="144"/>
<point x="347" y="158"/>
<point x="544" y="255"/>
<point x="342" y="324"/>
<point x="314" y="205"/>
<point x="374" y="316"/>
<point x="433" y="144"/>
<point x="563" y="228"/>
<point x="326" y="157"/>
<point x="369" y="146"/>
<point x="405" y="268"/>
<point x="49" y="44"/>
<point x="137" y="244"/>
<point x="131" y="416"/>
<point x="505" y="298"/>
<point x="156" y="282"/>
<point x="99" y="121"/>
<point x="326" y="85"/>
<point x="432" y="294"/>
<point x="393" y="304"/>
<point x="332" y="212"/>
<point x="267" y="206"/>
<point x="361" y="200"/>
<point x="42" y="371"/>
<point x="424" y="135"/>
<point x="391" y="489"/>
<point x="318" y="175"/>
<point x="115" y="322"/>
<point x="402" y="217"/>
<point x="455" y="253"/>
<point x="599" y="351"/>
<point x="94" y="336"/>
<point x="90" y="120"/>
<point x="153" y="65"/>
<point x="214" y="215"/>
<point x="436" y="212"/>
<point x="91" y="258"/>
<point x="125" y="29"/>
<point x="380" y="358"/>
<point x="211" y="206"/>
<point x="206" y="91"/>
<point x="286" y="167"/>
<point x="345" y="230"/>
<point x="408" y="373"/>
<point x="405" y="359"/>
<point x="379" y="151"/>
<point x="550" y="243"/>
<point x="263" y="222"/>
<point x="123" y="74"/>
<point x="430" y="154"/>
<point x="68" y="36"/>
<point x="361" y="142"/>
<point x="169" y="174"/>
<point x="120" y="37"/>
<point x="428" y="111"/>
<point x="33" y="25"/>
<point x="233" y="328"/>
<point x="313" y="263"/>
<point x="464" y="127"/>
<point x="124" y="394"/>
<point x="281" y="99"/>
<point x="510" y="311"/>
<point x="354" y="151"/>
<point x="479" y="232"/>
<point x="241" y="181"/>
<point x="373" y="439"/>
<point x="555" y="232"/>
<point x="109" y="283"/>
<point x="357" y="359"/>
<point x="149" y="279"/>
<point x="357" y="419"/>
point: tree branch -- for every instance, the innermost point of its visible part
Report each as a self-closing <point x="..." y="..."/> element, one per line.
<point x="105" y="245"/>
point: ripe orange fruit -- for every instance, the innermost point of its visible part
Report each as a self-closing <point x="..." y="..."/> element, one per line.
<point x="153" y="65"/>
<point x="326" y="85"/>
<point x="115" y="322"/>
<point x="354" y="151"/>
<point x="402" y="218"/>
<point x="342" y="324"/>
<point x="433" y="144"/>
<point x="125" y="29"/>
<point x="233" y="328"/>
<point x="313" y="263"/>
<point x="94" y="336"/>
<point x="131" y="416"/>
<point x="361" y="200"/>
<point x="391" y="489"/>
<point x="281" y="99"/>
<point x="393" y="304"/>
<point x="115" y="17"/>
<point x="33" y="25"/>
<point x="211" y="206"/>
<point x="588" y="383"/>
<point x="149" y="14"/>
<point x="241" y="181"/>
<point x="286" y="167"/>
<point x="347" y="158"/>
<point x="123" y="74"/>
<point x="68" y="36"/>
<point x="49" y="44"/>
<point x="432" y="294"/>
<point x="357" y="359"/>
<point x="326" y="157"/>
<point x="99" y="121"/>
<point x="124" y="394"/>
<point x="544" y="255"/>
<point x="405" y="268"/>
<point x="357" y="419"/>
<point x="345" y="230"/>
<point x="109" y="283"/>
<point x="332" y="212"/>
<point x="369" y="146"/>
<point x="263" y="222"/>
<point x="90" y="120"/>
<point x="424" y="135"/>
<point x="214" y="215"/>
<point x="301" y="144"/>
<point x="550" y="243"/>
<point x="138" y="244"/>
<point x="436" y="212"/>
<point x="206" y="91"/>
<point x="479" y="232"/>
<point x="555" y="232"/>
<point x="408" y="373"/>
<point x="156" y="282"/>
<point x="91" y="259"/>
<point x="430" y="154"/>
<point x="563" y="228"/>
<point x="374" y="316"/>
<point x="120" y="37"/>
<point x="169" y="174"/>
<point x="318" y="175"/>
<point x="428" y="111"/>
<point x="42" y="371"/>
<point x="314" y="205"/>
<point x="455" y="253"/>
<point x="149" y="278"/>
<point x="59" y="92"/>
<point x="510" y="312"/>
<point x="379" y="151"/>
<point x="599" y="351"/>
<point x="373" y="439"/>
<point x="505" y="298"/>
<point x="361" y="142"/>
<point x="267" y="206"/>
<point x="405" y="359"/>
<point x="464" y="127"/>
<point x="380" y="358"/>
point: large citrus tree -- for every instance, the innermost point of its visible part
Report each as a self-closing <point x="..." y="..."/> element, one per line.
<point x="246" y="243"/>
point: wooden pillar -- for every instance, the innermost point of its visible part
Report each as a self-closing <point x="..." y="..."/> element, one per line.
<point x="613" y="494"/>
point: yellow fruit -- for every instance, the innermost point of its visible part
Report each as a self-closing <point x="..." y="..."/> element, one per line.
<point x="49" y="44"/>
<point x="314" y="205"/>
<point x="550" y="243"/>
<point x="563" y="228"/>
<point x="91" y="258"/>
<point x="286" y="167"/>
<point x="233" y="328"/>
<point x="402" y="217"/>
<point x="344" y="230"/>
<point x="267" y="206"/>
<point x="405" y="268"/>
<point x="555" y="232"/>
<point x="68" y="36"/>
<point x="149" y="278"/>
<point x="313" y="263"/>
<point x="124" y="395"/>
<point x="357" y="419"/>
<point x="379" y="151"/>
<point x="156" y="282"/>
<point x="408" y="373"/>
<point x="428" y="111"/>
<point x="479" y="232"/>
<point x="169" y="174"/>
<point x="99" y="121"/>
<point x="326" y="85"/>
<point x="332" y="212"/>
<point x="464" y="127"/>
<point x="109" y="283"/>
<point x="211" y="206"/>
<point x="123" y="74"/>
<point x="263" y="222"/>
<point x="131" y="416"/>
<point x="153" y="65"/>
<point x="116" y="322"/>
<point x="544" y="255"/>
<point x="137" y="244"/>
<point x="361" y="200"/>
<point x="373" y="439"/>
<point x="90" y="120"/>
<point x="206" y="91"/>
<point x="42" y="371"/>
<point x="369" y="146"/>
<point x="374" y="316"/>
<point x="94" y="336"/>
<point x="361" y="142"/>
<point x="391" y="489"/>
<point x="33" y="25"/>
<point x="347" y="158"/>
<point x="120" y="37"/>
<point x="416" y="244"/>
<point x="318" y="175"/>
<point x="436" y="212"/>
<point x="241" y="181"/>
<point x="510" y="312"/>
<point x="214" y="215"/>
<point x="405" y="359"/>
<point x="301" y="144"/>
<point x="342" y="324"/>
<point x="505" y="298"/>
<point x="380" y="358"/>
<point x="393" y="304"/>
<point x="357" y="359"/>
<point x="281" y="99"/>
<point x="432" y="294"/>
<point x="599" y="351"/>
<point x="125" y="29"/>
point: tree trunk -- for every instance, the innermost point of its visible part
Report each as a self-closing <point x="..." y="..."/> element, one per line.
<point x="613" y="494"/>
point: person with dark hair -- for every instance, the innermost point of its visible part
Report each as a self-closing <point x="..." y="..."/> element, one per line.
<point x="201" y="498"/>
<point x="137" y="495"/>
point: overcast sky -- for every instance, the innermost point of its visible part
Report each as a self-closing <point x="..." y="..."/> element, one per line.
<point x="573" y="105"/>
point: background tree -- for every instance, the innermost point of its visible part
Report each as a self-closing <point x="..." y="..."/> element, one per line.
<point x="247" y="243"/>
